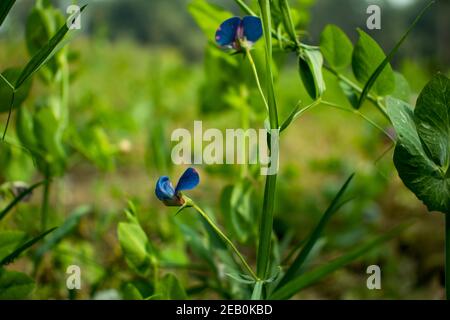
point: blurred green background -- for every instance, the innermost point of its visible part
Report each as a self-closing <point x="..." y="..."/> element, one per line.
<point x="141" y="68"/>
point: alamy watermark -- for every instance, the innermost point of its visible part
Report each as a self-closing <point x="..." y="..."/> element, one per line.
<point x="374" y="280"/>
<point x="73" y="281"/>
<point x="74" y="20"/>
<point x="374" y="19"/>
<point x="234" y="146"/>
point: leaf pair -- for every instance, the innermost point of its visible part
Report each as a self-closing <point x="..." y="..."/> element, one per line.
<point x="364" y="58"/>
<point x="370" y="65"/>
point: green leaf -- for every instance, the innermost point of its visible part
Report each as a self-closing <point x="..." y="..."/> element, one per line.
<point x="48" y="128"/>
<point x="9" y="240"/>
<point x="402" y="89"/>
<point x="368" y="58"/>
<point x="41" y="25"/>
<point x="381" y="78"/>
<point x="130" y="292"/>
<point x="6" y="92"/>
<point x="135" y="246"/>
<point x="43" y="55"/>
<point x="257" y="291"/>
<point x="432" y="118"/>
<point x="310" y="69"/>
<point x="384" y="86"/>
<point x="297" y="112"/>
<point x="241" y="278"/>
<point x="171" y="288"/>
<point x="335" y="205"/>
<point x="336" y="47"/>
<point x="15" y="285"/>
<point x="5" y="7"/>
<point x="16" y="253"/>
<point x="312" y="277"/>
<point x="350" y="93"/>
<point x="25" y="128"/>
<point x="68" y="226"/>
<point x="94" y="143"/>
<point x="19" y="198"/>
<point x="422" y="154"/>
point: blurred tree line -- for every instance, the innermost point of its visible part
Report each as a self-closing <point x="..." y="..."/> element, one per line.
<point x="168" y="23"/>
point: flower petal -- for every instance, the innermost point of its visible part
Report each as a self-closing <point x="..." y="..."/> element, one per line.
<point x="253" y="30"/>
<point x="189" y="180"/>
<point x="164" y="189"/>
<point x="226" y="34"/>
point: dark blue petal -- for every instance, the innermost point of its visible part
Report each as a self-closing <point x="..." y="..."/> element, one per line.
<point x="164" y="189"/>
<point x="253" y="30"/>
<point x="227" y="32"/>
<point x="189" y="180"/>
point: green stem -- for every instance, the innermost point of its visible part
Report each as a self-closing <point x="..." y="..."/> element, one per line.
<point x="355" y="87"/>
<point x="266" y="225"/>
<point x="266" y="220"/>
<point x="45" y="201"/>
<point x="447" y="256"/>
<point x="9" y="114"/>
<point x="358" y="113"/>
<point x="226" y="240"/>
<point x="255" y="73"/>
<point x="7" y="82"/>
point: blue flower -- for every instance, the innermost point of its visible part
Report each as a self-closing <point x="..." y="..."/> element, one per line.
<point x="171" y="196"/>
<point x="237" y="32"/>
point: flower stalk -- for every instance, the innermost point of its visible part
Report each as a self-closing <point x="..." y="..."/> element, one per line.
<point x="190" y="203"/>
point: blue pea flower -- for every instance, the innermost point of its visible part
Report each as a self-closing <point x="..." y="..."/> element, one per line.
<point x="171" y="196"/>
<point x="237" y="32"/>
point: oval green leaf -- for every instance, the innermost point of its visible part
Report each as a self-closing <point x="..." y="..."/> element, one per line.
<point x="310" y="68"/>
<point x="367" y="56"/>
<point x="422" y="154"/>
<point x="336" y="47"/>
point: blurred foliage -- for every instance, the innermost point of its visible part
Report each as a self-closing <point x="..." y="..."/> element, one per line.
<point x="142" y="69"/>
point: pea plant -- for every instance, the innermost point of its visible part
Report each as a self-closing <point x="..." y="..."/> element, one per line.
<point x="39" y="133"/>
<point x="366" y="78"/>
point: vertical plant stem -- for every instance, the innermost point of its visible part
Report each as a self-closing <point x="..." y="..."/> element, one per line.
<point x="9" y="114"/>
<point x="447" y="256"/>
<point x="266" y="219"/>
<point x="226" y="240"/>
<point x="265" y="227"/>
<point x="45" y="200"/>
